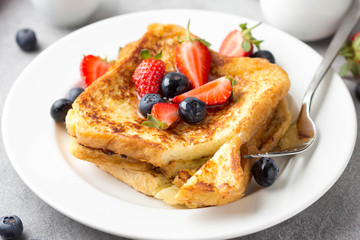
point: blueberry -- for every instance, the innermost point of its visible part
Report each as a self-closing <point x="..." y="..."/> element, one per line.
<point x="74" y="93"/>
<point x="174" y="83"/>
<point x="11" y="227"/>
<point x="192" y="110"/>
<point x="148" y="101"/>
<point x="265" y="171"/>
<point x="59" y="109"/>
<point x="26" y="39"/>
<point x="357" y="91"/>
<point x="264" y="54"/>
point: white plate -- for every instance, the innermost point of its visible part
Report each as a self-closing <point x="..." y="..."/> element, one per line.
<point x="37" y="147"/>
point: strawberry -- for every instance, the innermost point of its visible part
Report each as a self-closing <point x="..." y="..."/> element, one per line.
<point x="92" y="67"/>
<point x="239" y="43"/>
<point x="148" y="74"/>
<point x="193" y="59"/>
<point x="162" y="115"/>
<point x="212" y="93"/>
<point x="351" y="52"/>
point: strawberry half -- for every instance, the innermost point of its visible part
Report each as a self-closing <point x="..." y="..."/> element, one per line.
<point x="92" y="67"/>
<point x="212" y="93"/>
<point x="239" y="43"/>
<point x="193" y="59"/>
<point x="162" y="116"/>
<point x="148" y="74"/>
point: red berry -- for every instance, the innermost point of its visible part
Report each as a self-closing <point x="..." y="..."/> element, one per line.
<point x="166" y="112"/>
<point x="239" y="43"/>
<point x="92" y="67"/>
<point x="212" y="93"/>
<point x="148" y="75"/>
<point x="193" y="59"/>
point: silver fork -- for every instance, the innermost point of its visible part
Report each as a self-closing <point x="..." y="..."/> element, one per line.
<point x="304" y="128"/>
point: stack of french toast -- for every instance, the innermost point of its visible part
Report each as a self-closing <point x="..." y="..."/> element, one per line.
<point x="193" y="165"/>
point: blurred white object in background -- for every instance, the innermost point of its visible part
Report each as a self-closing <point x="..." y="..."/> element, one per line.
<point x="308" y="20"/>
<point x="66" y="13"/>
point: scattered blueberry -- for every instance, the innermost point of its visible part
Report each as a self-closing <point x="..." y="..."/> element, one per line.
<point x="59" y="109"/>
<point x="192" y="110"/>
<point x="265" y="171"/>
<point x="26" y="39"/>
<point x="148" y="101"/>
<point x="174" y="83"/>
<point x="264" y="54"/>
<point x="357" y="91"/>
<point x="74" y="93"/>
<point x="11" y="227"/>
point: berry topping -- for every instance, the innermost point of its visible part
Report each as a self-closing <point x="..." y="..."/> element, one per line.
<point x="59" y="109"/>
<point x="265" y="171"/>
<point x="148" y="74"/>
<point x="239" y="43"/>
<point x="351" y="52"/>
<point x="162" y="116"/>
<point x="148" y="101"/>
<point x="193" y="59"/>
<point x="264" y="54"/>
<point x="212" y="93"/>
<point x="26" y="39"/>
<point x="174" y="83"/>
<point x="192" y="110"/>
<point x="11" y="227"/>
<point x="74" y="93"/>
<point x="92" y="67"/>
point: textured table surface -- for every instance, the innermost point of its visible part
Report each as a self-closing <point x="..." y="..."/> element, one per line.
<point x="336" y="215"/>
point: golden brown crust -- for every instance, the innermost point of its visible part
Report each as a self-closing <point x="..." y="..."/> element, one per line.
<point x="106" y="115"/>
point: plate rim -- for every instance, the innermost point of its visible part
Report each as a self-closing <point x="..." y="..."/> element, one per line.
<point x="93" y="25"/>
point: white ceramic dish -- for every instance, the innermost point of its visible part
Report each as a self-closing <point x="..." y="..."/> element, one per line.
<point x="37" y="147"/>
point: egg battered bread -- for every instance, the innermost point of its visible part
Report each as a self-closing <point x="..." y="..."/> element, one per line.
<point x="105" y="116"/>
<point x="220" y="180"/>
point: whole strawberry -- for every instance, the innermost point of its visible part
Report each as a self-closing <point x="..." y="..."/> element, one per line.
<point x="148" y="74"/>
<point x="351" y="52"/>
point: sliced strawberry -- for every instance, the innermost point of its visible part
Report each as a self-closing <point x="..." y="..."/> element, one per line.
<point x="148" y="74"/>
<point x="162" y="115"/>
<point x="212" y="93"/>
<point x="193" y="59"/>
<point x="92" y="67"/>
<point x="239" y="43"/>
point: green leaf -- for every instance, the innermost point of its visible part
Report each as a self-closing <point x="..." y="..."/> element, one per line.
<point x="246" y="45"/>
<point x="206" y="43"/>
<point x="159" y="55"/>
<point x="344" y="70"/>
<point x="153" y="122"/>
<point x="233" y="83"/>
<point x="145" y="54"/>
<point x="179" y="40"/>
<point x="243" y="26"/>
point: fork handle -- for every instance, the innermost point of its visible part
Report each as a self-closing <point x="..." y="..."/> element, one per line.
<point x="348" y="23"/>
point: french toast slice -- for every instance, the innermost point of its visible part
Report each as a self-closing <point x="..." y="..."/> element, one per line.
<point x="220" y="180"/>
<point x="105" y="115"/>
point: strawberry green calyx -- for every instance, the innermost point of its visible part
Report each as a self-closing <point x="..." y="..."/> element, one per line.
<point x="145" y="54"/>
<point x="189" y="38"/>
<point x="248" y="38"/>
<point x="351" y="52"/>
<point x="233" y="83"/>
<point x="153" y="122"/>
